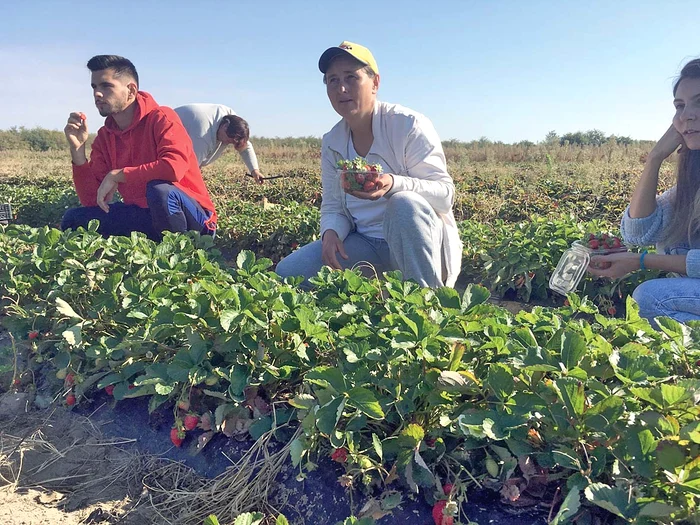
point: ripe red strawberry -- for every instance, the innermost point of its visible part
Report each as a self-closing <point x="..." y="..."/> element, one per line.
<point x="360" y="178"/>
<point x="368" y="186"/>
<point x="438" y="514"/>
<point x="612" y="310"/>
<point x="616" y="243"/>
<point x="33" y="335"/>
<point x="82" y="115"/>
<point x="17" y="382"/>
<point x="697" y="363"/>
<point x="177" y="436"/>
<point x="340" y="455"/>
<point x="110" y="390"/>
<point x="70" y="399"/>
<point x="191" y="421"/>
<point x="593" y="244"/>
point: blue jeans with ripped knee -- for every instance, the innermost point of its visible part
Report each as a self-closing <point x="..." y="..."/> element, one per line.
<point x="674" y="297"/>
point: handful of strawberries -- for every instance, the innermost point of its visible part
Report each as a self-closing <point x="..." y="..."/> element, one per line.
<point x="358" y="175"/>
<point x="603" y="243"/>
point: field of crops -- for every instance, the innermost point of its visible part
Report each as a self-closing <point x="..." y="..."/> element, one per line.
<point x="575" y="404"/>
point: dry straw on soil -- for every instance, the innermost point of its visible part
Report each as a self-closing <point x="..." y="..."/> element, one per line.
<point x="65" y="458"/>
<point x="180" y="497"/>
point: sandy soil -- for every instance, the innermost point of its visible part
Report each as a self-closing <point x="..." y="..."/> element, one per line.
<point x="56" y="467"/>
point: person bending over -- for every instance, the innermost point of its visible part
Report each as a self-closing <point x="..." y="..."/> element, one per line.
<point x="212" y="127"/>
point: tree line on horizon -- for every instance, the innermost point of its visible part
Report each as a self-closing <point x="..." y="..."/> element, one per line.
<point x="42" y="139"/>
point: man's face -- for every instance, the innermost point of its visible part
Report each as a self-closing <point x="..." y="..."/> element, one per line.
<point x="112" y="94"/>
<point x="221" y="136"/>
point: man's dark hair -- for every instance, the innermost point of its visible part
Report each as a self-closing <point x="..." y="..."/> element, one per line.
<point x="120" y="65"/>
<point x="236" y="127"/>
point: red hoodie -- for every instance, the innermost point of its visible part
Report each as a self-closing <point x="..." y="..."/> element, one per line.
<point x="155" y="146"/>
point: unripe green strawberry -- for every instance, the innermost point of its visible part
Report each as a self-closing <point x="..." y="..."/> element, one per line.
<point x="364" y="462"/>
<point x="492" y="467"/>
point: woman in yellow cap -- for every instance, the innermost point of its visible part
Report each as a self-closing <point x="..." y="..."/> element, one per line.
<point x="405" y="220"/>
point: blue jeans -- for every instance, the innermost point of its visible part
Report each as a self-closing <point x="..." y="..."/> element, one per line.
<point x="413" y="244"/>
<point x="169" y="209"/>
<point x="675" y="297"/>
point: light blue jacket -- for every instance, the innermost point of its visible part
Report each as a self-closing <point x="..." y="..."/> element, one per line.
<point x="645" y="231"/>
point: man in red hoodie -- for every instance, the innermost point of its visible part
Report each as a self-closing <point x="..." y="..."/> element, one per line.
<point x="144" y="152"/>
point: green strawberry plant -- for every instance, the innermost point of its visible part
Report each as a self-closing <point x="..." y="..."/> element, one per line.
<point x="401" y="386"/>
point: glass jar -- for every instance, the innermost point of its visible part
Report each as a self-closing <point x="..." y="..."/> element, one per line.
<point x="573" y="264"/>
<point x="570" y="270"/>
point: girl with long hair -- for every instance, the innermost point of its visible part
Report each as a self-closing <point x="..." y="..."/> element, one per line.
<point x="670" y="220"/>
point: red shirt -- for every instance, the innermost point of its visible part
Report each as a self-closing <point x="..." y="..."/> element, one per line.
<point x="155" y="146"/>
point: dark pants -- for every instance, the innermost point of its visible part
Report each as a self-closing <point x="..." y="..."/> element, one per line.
<point x="169" y="209"/>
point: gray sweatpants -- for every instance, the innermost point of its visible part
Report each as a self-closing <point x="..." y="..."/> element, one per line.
<point x="413" y="244"/>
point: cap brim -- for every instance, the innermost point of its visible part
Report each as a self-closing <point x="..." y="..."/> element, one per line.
<point x="331" y="53"/>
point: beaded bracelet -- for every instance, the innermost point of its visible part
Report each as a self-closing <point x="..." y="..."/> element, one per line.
<point x="641" y="260"/>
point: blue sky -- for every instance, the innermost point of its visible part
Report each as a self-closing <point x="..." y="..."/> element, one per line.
<point x="506" y="70"/>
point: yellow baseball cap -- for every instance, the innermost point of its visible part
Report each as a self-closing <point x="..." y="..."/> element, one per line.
<point x="358" y="52"/>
